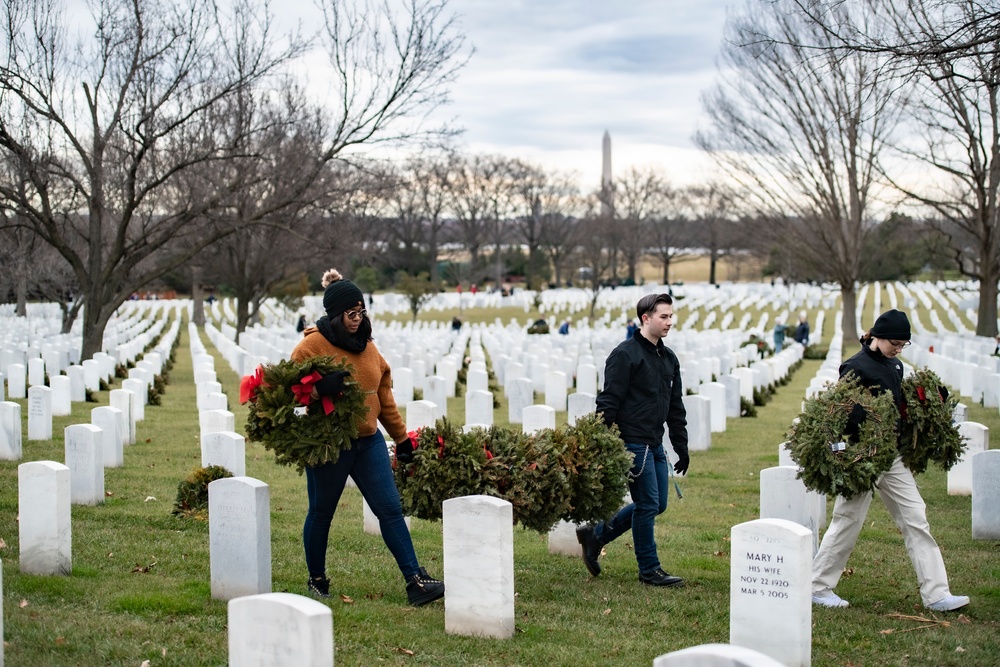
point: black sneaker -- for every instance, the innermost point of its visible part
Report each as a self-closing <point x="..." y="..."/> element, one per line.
<point x="660" y="578"/>
<point x="318" y="587"/>
<point x="421" y="588"/>
<point x="591" y="549"/>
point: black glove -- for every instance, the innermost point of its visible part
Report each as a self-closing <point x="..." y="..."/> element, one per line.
<point x="333" y="384"/>
<point x="404" y="450"/>
<point x="943" y="392"/>
<point x="683" y="461"/>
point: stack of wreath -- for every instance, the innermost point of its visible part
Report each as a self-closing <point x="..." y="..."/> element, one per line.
<point x="832" y="463"/>
<point x="577" y="473"/>
<point x="300" y="430"/>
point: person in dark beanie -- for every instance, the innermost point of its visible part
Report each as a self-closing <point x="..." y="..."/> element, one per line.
<point x="878" y="369"/>
<point x="642" y="390"/>
<point x="345" y="333"/>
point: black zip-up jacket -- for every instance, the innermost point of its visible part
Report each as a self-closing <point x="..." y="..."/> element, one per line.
<point x="642" y="390"/>
<point x="878" y="373"/>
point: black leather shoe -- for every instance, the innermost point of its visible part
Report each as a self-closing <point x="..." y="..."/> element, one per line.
<point x="421" y="588"/>
<point x="660" y="578"/>
<point x="591" y="549"/>
<point x="318" y="587"/>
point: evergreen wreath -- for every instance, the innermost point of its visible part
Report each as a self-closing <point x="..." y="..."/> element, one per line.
<point x="854" y="469"/>
<point x="301" y="431"/>
<point x="928" y="433"/>
<point x="577" y="473"/>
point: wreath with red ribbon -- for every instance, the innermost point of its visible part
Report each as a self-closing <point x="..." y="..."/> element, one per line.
<point x="286" y="419"/>
<point x="928" y="433"/>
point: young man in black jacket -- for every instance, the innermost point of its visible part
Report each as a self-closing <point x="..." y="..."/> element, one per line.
<point x="642" y="390"/>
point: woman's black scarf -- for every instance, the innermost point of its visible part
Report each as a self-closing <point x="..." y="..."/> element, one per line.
<point x="355" y="344"/>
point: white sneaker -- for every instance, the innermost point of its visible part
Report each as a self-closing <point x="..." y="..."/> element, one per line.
<point x="830" y="599"/>
<point x="949" y="603"/>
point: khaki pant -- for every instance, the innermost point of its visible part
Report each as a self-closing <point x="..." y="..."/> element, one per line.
<point x="902" y="499"/>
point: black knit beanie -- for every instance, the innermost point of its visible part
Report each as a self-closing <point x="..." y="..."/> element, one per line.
<point x="340" y="295"/>
<point x="892" y="325"/>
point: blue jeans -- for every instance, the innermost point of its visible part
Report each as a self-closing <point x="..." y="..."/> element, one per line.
<point x="649" y="482"/>
<point x="367" y="461"/>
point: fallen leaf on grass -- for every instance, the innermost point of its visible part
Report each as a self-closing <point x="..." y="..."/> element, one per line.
<point x="404" y="651"/>
<point x="60" y="641"/>
<point x="606" y="611"/>
<point x="959" y="649"/>
<point x="22" y="604"/>
<point x="148" y="498"/>
<point x="720" y="553"/>
<point x="346" y="599"/>
<point x="887" y="631"/>
<point x="3" y="545"/>
<point x="163" y="651"/>
<point x="148" y="440"/>
<point x="144" y="570"/>
<point x="109" y="494"/>
<point x="962" y="618"/>
<point x="373" y="596"/>
<point x="145" y="663"/>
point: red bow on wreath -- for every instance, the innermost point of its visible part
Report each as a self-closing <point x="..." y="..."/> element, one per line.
<point x="249" y="384"/>
<point x="303" y="392"/>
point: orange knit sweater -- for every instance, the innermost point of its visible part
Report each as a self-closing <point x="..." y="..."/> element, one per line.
<point x="371" y="372"/>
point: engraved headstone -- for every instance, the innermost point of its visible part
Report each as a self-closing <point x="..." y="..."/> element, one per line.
<point x="61" y="404"/>
<point x="214" y="421"/>
<point x="986" y="495"/>
<point x="770" y="595"/>
<point x="85" y="460"/>
<point x="716" y="655"/>
<point x="239" y="536"/>
<point x="279" y="630"/>
<point x="44" y="529"/>
<point x="121" y="399"/>
<point x="536" y="417"/>
<point x="478" y="566"/>
<point x="520" y="396"/>
<point x="977" y="439"/>
<point x="479" y="407"/>
<point x="10" y="431"/>
<point x="109" y="420"/>
<point x="226" y="449"/>
<point x="420" y="414"/>
<point x="39" y="413"/>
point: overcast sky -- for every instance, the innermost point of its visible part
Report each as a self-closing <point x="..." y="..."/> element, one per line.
<point x="548" y="77"/>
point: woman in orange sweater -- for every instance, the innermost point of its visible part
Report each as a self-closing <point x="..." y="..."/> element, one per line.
<point x="345" y="334"/>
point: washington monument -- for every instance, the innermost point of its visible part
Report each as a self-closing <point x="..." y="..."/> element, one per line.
<point x="607" y="188"/>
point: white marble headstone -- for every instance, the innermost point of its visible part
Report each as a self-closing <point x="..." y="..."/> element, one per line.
<point x="578" y="405"/>
<point x="783" y="496"/>
<point x="420" y="414"/>
<point x="479" y="407"/>
<point x="10" y="431"/>
<point x="214" y="421"/>
<point x="436" y="392"/>
<point x="44" y="528"/>
<point x="83" y="445"/>
<point x="986" y="495"/>
<point x="239" y="536"/>
<point x="716" y="655"/>
<point x="563" y="541"/>
<point x="770" y="594"/>
<point x="77" y="383"/>
<point x="226" y="449"/>
<point x="536" y="417"/>
<point x="36" y="372"/>
<point x="39" y="413"/>
<point x="370" y="523"/>
<point x="716" y="393"/>
<point x="555" y="390"/>
<point x="121" y="399"/>
<point x="478" y="566"/>
<point x="699" y="422"/>
<point x="520" y="395"/>
<point x="61" y="402"/>
<point x="977" y="439"/>
<point x="16" y="381"/>
<point x="110" y="421"/>
<point x="279" y="630"/>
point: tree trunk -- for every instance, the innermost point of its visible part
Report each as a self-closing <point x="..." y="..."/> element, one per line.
<point x="849" y="321"/>
<point x="713" y="260"/>
<point x="242" y="313"/>
<point x="666" y="270"/>
<point x="987" y="325"/>
<point x="197" y="297"/>
<point x="95" y="320"/>
<point x="21" y="289"/>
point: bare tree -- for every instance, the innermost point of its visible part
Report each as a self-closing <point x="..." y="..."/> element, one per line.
<point x="126" y="124"/>
<point x="802" y="131"/>
<point x="714" y="210"/>
<point x="475" y="196"/>
<point x="638" y="194"/>
<point x="669" y="237"/>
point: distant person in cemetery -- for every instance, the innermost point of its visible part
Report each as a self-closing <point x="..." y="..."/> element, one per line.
<point x="456" y="324"/>
<point x="879" y="370"/>
<point x="642" y="390"/>
<point x="802" y="330"/>
<point x="630" y="329"/>
<point x="779" y="335"/>
<point x="300" y="326"/>
<point x="564" y="327"/>
<point x="345" y="332"/>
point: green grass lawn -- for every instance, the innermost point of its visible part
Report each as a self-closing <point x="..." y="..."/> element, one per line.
<point x="140" y="588"/>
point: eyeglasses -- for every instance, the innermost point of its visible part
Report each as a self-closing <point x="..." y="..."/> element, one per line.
<point x="355" y="314"/>
<point x="899" y="344"/>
